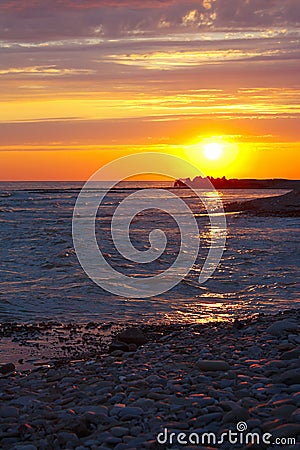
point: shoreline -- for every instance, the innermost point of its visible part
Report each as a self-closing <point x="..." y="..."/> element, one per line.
<point x="44" y="343"/>
<point x="285" y="205"/>
<point x="33" y="344"/>
<point x="200" y="378"/>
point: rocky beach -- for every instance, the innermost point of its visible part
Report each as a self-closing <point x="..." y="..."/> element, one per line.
<point x="145" y="383"/>
<point x="78" y="375"/>
<point x="286" y="205"/>
<point x="149" y="225"/>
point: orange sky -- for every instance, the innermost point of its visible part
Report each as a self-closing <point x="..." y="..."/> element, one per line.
<point x="85" y="84"/>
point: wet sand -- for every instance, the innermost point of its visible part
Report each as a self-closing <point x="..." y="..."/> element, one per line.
<point x="28" y="345"/>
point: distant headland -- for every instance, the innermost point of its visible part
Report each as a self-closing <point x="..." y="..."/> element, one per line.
<point x="235" y="183"/>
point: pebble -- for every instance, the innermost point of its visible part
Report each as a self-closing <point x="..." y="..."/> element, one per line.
<point x="25" y="447"/>
<point x="284" y="411"/>
<point x="280" y="326"/>
<point x="202" y="401"/>
<point x="8" y="411"/>
<point x="236" y="414"/>
<point x="291" y="354"/>
<point x="131" y="412"/>
<point x="208" y="418"/>
<point x="7" y="368"/>
<point x="289" y="377"/>
<point x="118" y="346"/>
<point x="65" y="437"/>
<point x="286" y="430"/>
<point x="208" y="365"/>
<point x="296" y="416"/>
<point x="204" y="378"/>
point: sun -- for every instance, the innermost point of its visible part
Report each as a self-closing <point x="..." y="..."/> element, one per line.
<point x="213" y="150"/>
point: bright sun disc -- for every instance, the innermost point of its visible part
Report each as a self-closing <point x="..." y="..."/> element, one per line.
<point x="213" y="150"/>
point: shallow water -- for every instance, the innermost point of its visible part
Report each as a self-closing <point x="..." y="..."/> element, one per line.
<point x="42" y="279"/>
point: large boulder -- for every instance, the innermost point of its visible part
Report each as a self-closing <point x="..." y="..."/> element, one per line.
<point x="280" y="326"/>
<point x="132" y="335"/>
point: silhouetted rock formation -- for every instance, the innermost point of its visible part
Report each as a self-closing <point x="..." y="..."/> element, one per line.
<point x="180" y="184"/>
<point x="234" y="183"/>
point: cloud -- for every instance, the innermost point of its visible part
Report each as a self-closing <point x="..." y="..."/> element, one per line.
<point x="43" y="70"/>
<point x="170" y="60"/>
<point x="20" y="5"/>
<point x="56" y="19"/>
<point x="106" y="52"/>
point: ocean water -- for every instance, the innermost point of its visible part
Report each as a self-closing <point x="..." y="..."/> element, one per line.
<point x="41" y="278"/>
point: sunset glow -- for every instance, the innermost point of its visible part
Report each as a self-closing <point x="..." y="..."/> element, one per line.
<point x="88" y="81"/>
<point x="213" y="150"/>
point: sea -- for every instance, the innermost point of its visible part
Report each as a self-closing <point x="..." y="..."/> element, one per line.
<point x="42" y="279"/>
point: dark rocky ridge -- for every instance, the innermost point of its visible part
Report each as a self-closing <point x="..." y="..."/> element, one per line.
<point x="234" y="183"/>
<point x="286" y="205"/>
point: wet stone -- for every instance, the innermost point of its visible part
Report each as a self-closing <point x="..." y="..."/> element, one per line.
<point x="212" y="365"/>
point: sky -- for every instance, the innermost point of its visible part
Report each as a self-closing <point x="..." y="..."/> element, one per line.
<point x="83" y="82"/>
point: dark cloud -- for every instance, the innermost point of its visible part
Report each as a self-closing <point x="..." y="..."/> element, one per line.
<point x="60" y="19"/>
<point x="18" y="5"/>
